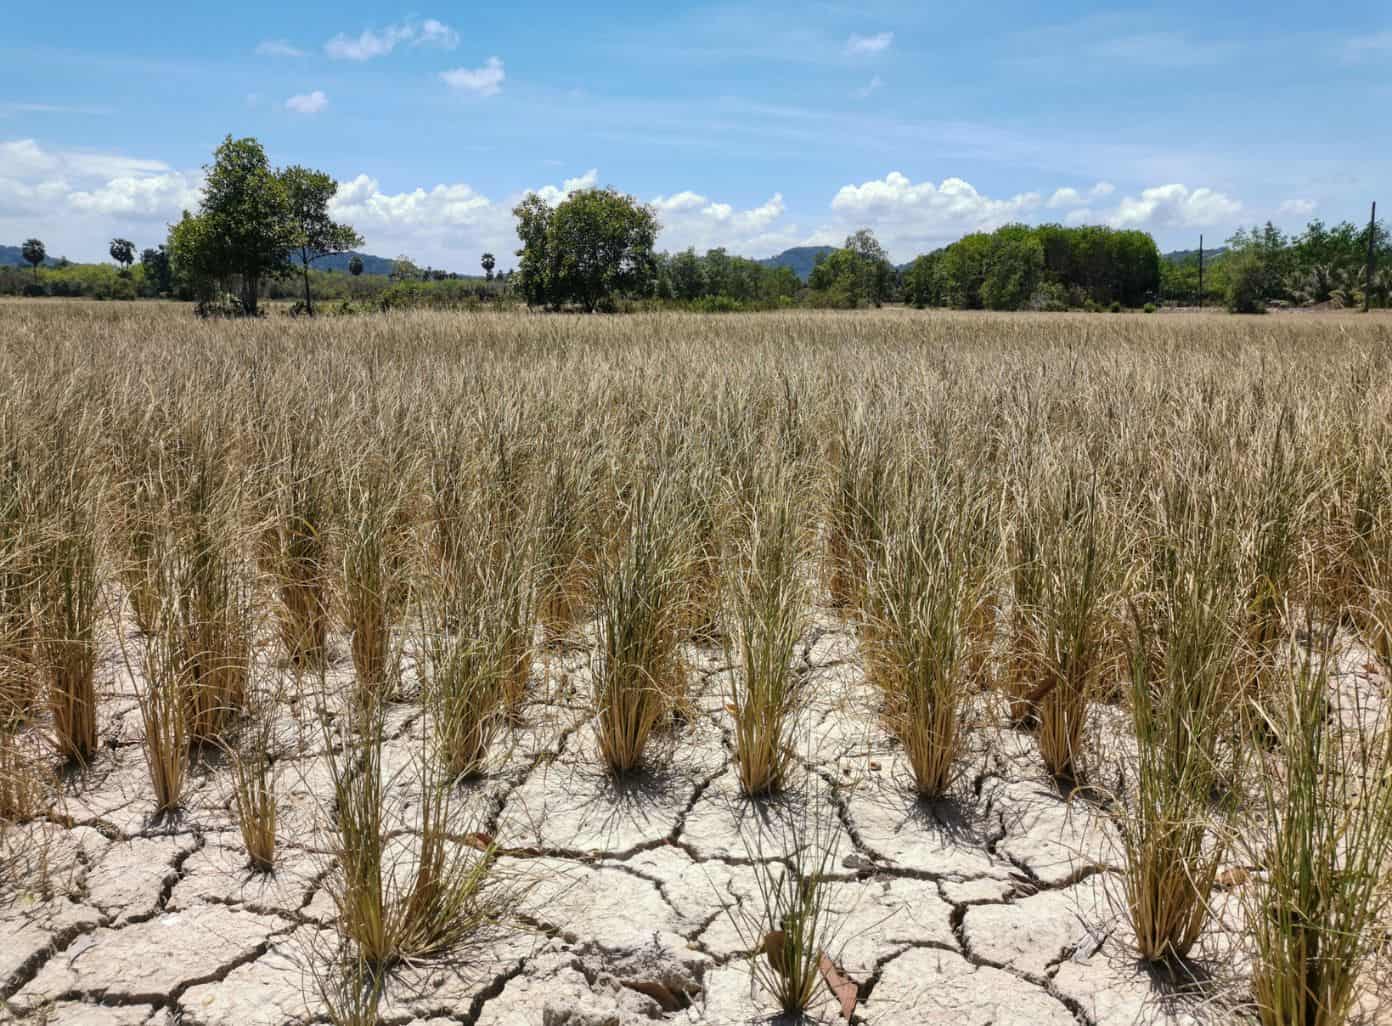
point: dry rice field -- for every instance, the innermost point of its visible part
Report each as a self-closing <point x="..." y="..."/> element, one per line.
<point x="890" y="667"/>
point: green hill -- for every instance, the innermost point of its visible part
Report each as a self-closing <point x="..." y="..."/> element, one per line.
<point x="800" y="259"/>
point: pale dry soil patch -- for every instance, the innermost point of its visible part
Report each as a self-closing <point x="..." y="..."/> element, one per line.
<point x="997" y="906"/>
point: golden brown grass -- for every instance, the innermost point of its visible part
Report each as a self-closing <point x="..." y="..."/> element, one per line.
<point x="457" y="480"/>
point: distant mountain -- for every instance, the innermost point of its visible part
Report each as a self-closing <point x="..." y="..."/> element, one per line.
<point x="339" y="262"/>
<point x="1181" y="256"/>
<point x="12" y="256"/>
<point x="800" y="259"/>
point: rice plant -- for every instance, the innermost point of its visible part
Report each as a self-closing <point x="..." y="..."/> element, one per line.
<point x="254" y="785"/>
<point x="67" y="609"/>
<point x="1067" y="622"/>
<point x="164" y="712"/>
<point x="1323" y="839"/>
<point x="768" y="600"/>
<point x="372" y="569"/>
<point x="915" y="643"/>
<point x="401" y="896"/>
<point x="1172" y="828"/>
<point x="638" y="676"/>
<point x="295" y="547"/>
<point x="790" y="925"/>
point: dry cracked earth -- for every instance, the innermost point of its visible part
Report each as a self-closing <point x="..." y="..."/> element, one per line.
<point x="634" y="899"/>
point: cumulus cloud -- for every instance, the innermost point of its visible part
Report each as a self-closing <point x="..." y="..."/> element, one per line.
<point x="483" y="81"/>
<point x="911" y="216"/>
<point x="278" y="48"/>
<point x="447" y="225"/>
<point x="380" y="42"/>
<point x="1297" y="208"/>
<point x="867" y="46"/>
<point x="68" y="198"/>
<point x="1173" y="206"/>
<point x="1070" y="197"/>
<point x="307" y="103"/>
<point x="691" y="219"/>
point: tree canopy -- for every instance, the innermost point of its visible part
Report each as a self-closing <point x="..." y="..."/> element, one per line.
<point x="592" y="247"/>
<point x="251" y="218"/>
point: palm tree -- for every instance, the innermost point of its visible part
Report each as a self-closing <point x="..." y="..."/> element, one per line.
<point x="488" y="264"/>
<point x="123" y="252"/>
<point x="33" y="252"/>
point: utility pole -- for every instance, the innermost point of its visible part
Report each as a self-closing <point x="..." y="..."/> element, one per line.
<point x="1200" y="271"/>
<point x="1372" y="255"/>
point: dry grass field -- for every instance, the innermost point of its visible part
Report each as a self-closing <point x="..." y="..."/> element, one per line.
<point x="598" y="671"/>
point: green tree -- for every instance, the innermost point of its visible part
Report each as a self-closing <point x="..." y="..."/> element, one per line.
<point x="488" y="264"/>
<point x="1247" y="281"/>
<point x="405" y="269"/>
<point x="355" y="265"/>
<point x="1014" y="268"/>
<point x="123" y="252"/>
<point x="155" y="265"/>
<point x="688" y="275"/>
<point x="245" y="232"/>
<point x="921" y="287"/>
<point x="33" y="252"/>
<point x="314" y="233"/>
<point x="873" y="273"/>
<point x="593" y="246"/>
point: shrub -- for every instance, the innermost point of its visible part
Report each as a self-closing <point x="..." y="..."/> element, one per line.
<point x="1149" y="308"/>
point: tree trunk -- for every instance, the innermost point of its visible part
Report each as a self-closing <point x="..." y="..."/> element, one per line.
<point x="249" y="290"/>
<point x="308" y="300"/>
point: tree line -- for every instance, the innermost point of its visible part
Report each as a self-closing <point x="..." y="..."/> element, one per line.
<point x="257" y="227"/>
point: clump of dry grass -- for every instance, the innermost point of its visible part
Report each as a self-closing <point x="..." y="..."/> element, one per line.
<point x="1323" y="838"/>
<point x="1063" y="612"/>
<point x="791" y="926"/>
<point x="372" y="568"/>
<point x="295" y="546"/>
<point x="914" y="638"/>
<point x="401" y="896"/>
<point x="26" y="783"/>
<point x="164" y="712"/>
<point x="1185" y="650"/>
<point x="767" y="597"/>
<point x="252" y="758"/>
<point x="863" y="467"/>
<point x="67" y="611"/>
<point x="638" y="674"/>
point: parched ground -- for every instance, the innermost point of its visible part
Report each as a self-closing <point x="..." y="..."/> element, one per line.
<point x="998" y="907"/>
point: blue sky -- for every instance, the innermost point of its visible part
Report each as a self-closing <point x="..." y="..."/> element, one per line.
<point x="750" y="126"/>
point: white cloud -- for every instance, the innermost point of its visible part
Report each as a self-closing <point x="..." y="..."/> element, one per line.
<point x="71" y="198"/>
<point x="861" y="46"/>
<point x="1070" y="197"/>
<point x="483" y="81"/>
<point x="152" y="196"/>
<point x="380" y="42"/>
<point x="910" y="217"/>
<point x="1297" y="208"/>
<point x="691" y="219"/>
<point x="872" y="86"/>
<point x="278" y="48"/>
<point x="307" y="103"/>
<point x="1065" y="197"/>
<point x="553" y="195"/>
<point x="1173" y="206"/>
